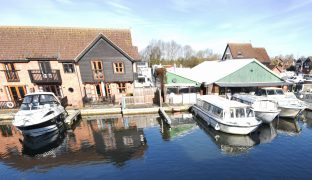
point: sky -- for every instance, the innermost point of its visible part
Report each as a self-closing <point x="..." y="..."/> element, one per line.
<point x="281" y="26"/>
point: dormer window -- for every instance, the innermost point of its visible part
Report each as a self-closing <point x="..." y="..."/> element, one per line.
<point x="239" y="54"/>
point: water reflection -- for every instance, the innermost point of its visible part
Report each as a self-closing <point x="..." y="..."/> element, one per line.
<point x="287" y="126"/>
<point x="94" y="140"/>
<point x="34" y="146"/>
<point x="181" y="124"/>
<point x="307" y="117"/>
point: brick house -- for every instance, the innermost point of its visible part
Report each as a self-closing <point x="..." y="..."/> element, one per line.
<point x="246" y="51"/>
<point x="75" y="62"/>
<point x="304" y="65"/>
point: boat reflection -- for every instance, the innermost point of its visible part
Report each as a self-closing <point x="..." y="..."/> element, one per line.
<point x="34" y="146"/>
<point x="287" y="126"/>
<point x="237" y="144"/>
<point x="181" y="124"/>
<point x="307" y="118"/>
<point x="94" y="140"/>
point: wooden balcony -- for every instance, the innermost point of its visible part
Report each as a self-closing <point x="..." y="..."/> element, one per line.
<point x="38" y="77"/>
<point x="11" y="75"/>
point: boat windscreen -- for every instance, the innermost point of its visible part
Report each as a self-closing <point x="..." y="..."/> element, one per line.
<point x="279" y="92"/>
<point x="33" y="102"/>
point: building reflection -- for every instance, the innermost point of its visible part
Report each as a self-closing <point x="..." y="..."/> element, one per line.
<point x="94" y="140"/>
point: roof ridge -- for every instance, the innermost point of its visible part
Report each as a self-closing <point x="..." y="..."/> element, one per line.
<point x="64" y="27"/>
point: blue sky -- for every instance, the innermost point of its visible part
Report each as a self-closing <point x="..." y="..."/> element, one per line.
<point x="281" y="26"/>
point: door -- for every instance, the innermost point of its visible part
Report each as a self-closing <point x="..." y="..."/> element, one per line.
<point x="17" y="93"/>
<point x="45" y="67"/>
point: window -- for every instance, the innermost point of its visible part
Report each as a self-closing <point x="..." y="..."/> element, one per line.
<point x="232" y="113"/>
<point x="122" y="87"/>
<point x="45" y="67"/>
<point x="97" y="69"/>
<point x="68" y="67"/>
<point x="119" y="67"/>
<point x="52" y="88"/>
<point x="279" y="92"/>
<point x="250" y="112"/>
<point x="240" y="113"/>
<point x="10" y="72"/>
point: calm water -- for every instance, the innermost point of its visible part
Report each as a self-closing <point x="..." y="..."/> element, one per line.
<point x="142" y="147"/>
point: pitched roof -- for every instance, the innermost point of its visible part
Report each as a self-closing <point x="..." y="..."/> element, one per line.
<point x="212" y="71"/>
<point x="246" y="51"/>
<point x="22" y="42"/>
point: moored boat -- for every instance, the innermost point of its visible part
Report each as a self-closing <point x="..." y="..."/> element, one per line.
<point x="264" y="108"/>
<point x="226" y="115"/>
<point x="40" y="113"/>
<point x="290" y="106"/>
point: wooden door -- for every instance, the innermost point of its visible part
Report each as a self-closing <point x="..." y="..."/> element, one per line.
<point x="17" y="93"/>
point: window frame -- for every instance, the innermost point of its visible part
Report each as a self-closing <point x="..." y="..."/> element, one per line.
<point x="68" y="65"/>
<point x="123" y="88"/>
<point x="95" y="70"/>
<point x="119" y="67"/>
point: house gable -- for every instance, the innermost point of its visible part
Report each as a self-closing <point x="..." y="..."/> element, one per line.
<point x="251" y="73"/>
<point x="106" y="52"/>
<point x="227" y="53"/>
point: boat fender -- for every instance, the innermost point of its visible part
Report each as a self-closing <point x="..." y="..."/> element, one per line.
<point x="10" y="105"/>
<point x="217" y="127"/>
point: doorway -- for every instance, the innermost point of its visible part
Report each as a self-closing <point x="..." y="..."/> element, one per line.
<point x="17" y="93"/>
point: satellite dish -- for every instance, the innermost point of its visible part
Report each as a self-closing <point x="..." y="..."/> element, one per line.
<point x="174" y="80"/>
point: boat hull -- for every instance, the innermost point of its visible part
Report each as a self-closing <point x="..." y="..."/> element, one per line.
<point x="217" y="125"/>
<point x="266" y="117"/>
<point x="43" y="127"/>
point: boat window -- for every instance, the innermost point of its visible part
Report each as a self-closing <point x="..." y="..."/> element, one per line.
<point x="240" y="112"/>
<point x="232" y="113"/>
<point x="279" y="92"/>
<point x="217" y="111"/>
<point x="250" y="112"/>
<point x="47" y="99"/>
<point x="205" y="105"/>
<point x="271" y="92"/>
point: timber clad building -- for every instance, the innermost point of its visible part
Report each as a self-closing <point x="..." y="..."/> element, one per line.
<point x="79" y="63"/>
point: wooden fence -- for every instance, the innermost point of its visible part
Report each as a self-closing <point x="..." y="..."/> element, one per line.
<point x="141" y="96"/>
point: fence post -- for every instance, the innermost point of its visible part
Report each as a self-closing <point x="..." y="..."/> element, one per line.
<point x="123" y="104"/>
<point x="159" y="94"/>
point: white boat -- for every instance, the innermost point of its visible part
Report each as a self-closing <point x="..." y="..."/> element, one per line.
<point x="290" y="106"/>
<point x="40" y="113"/>
<point x="264" y="108"/>
<point x="226" y="115"/>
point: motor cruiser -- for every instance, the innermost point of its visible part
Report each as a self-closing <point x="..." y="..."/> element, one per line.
<point x="39" y="113"/>
<point x="264" y="108"/>
<point x="288" y="103"/>
<point x="226" y="115"/>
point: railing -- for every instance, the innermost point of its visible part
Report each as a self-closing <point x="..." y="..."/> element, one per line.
<point x="10" y="104"/>
<point x="11" y="75"/>
<point x="98" y="74"/>
<point x="38" y="77"/>
<point x="101" y="100"/>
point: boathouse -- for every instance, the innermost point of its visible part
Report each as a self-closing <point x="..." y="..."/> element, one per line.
<point x="237" y="75"/>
